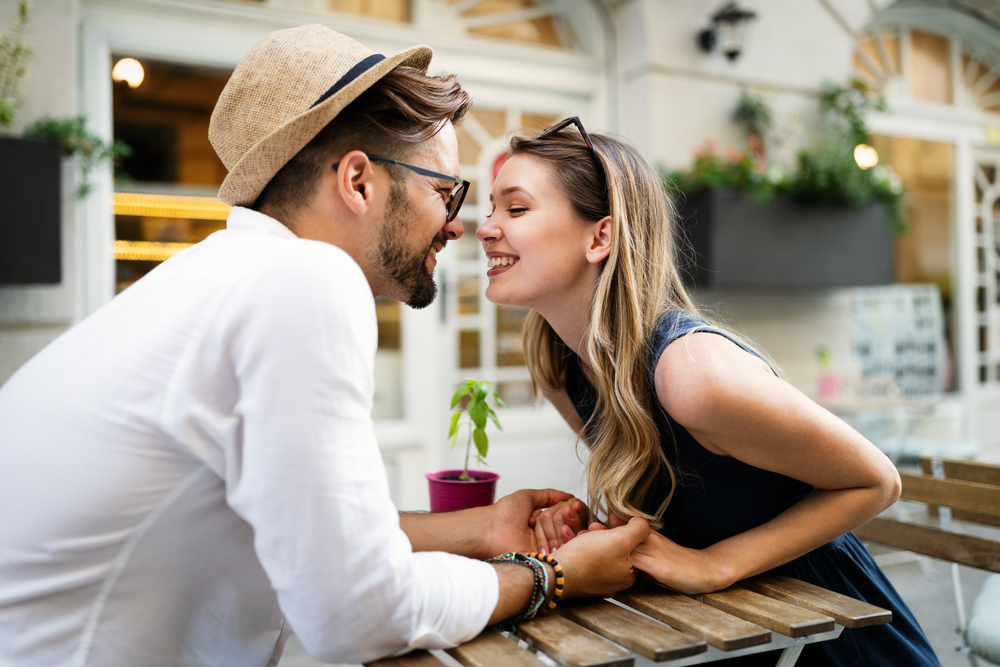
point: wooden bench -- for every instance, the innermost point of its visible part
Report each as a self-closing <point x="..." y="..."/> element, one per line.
<point x="968" y="491"/>
<point x="648" y="623"/>
<point x="953" y="490"/>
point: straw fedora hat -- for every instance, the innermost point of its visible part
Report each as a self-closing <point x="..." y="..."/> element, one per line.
<point x="284" y="91"/>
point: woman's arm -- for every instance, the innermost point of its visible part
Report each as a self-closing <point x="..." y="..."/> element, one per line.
<point x="731" y="403"/>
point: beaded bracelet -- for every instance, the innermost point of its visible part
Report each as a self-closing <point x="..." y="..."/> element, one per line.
<point x="560" y="579"/>
<point x="538" y="594"/>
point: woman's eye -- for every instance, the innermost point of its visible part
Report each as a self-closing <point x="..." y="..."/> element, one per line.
<point x="515" y="210"/>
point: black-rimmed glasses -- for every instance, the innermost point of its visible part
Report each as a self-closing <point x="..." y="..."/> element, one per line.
<point x="574" y="120"/>
<point x="455" y="197"/>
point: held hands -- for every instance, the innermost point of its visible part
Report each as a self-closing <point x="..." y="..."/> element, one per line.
<point x="686" y="570"/>
<point x="514" y="524"/>
<point x="558" y="524"/>
<point x="596" y="562"/>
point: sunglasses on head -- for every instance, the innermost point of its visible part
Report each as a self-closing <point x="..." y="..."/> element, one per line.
<point x="574" y="120"/>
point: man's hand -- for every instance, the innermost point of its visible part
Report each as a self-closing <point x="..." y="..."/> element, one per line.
<point x="596" y="563"/>
<point x="514" y="525"/>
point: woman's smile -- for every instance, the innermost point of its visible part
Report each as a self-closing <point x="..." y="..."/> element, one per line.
<point x="499" y="262"/>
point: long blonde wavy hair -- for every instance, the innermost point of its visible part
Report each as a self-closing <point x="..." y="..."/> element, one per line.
<point x="638" y="284"/>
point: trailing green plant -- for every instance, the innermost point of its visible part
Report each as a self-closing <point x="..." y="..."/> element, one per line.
<point x="846" y="108"/>
<point x="77" y="143"/>
<point x="14" y="55"/>
<point x="478" y="412"/>
<point x="754" y="113"/>
<point x="826" y="173"/>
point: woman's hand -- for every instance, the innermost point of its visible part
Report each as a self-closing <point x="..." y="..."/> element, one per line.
<point x="558" y="524"/>
<point x="686" y="570"/>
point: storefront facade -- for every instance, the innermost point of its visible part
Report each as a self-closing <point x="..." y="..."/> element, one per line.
<point x="631" y="67"/>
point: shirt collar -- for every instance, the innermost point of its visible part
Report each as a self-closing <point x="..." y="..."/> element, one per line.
<point x="241" y="218"/>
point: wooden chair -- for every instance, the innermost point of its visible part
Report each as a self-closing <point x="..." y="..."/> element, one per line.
<point x="954" y="490"/>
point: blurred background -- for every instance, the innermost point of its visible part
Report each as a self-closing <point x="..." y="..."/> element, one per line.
<point x="893" y="322"/>
<point x="834" y="164"/>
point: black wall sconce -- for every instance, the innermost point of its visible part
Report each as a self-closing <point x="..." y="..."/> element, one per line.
<point x="729" y="26"/>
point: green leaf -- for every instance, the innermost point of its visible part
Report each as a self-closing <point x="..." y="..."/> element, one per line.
<point x="463" y="390"/>
<point x="478" y="410"/>
<point x="454" y="425"/>
<point x="499" y="401"/>
<point x="482" y="442"/>
<point x="482" y="390"/>
<point x="493" y="417"/>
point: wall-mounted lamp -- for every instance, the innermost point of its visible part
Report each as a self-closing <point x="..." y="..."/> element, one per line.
<point x="865" y="156"/>
<point x="729" y="26"/>
<point x="128" y="70"/>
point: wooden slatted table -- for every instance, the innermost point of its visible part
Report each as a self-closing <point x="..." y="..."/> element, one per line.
<point x="649" y="624"/>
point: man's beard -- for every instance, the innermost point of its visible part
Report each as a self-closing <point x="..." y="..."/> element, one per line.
<point x="404" y="268"/>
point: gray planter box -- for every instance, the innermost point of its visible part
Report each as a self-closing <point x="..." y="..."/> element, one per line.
<point x="30" y="209"/>
<point x="739" y="242"/>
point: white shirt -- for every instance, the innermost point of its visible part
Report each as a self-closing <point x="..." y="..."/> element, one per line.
<point x="195" y="463"/>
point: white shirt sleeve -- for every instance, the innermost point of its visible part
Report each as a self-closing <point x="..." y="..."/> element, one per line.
<point x="304" y="470"/>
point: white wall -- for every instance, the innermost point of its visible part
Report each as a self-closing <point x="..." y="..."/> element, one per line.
<point x="33" y="315"/>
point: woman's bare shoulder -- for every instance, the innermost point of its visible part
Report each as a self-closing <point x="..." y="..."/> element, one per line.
<point x="702" y="372"/>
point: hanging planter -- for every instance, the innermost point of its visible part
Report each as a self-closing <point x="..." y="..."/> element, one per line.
<point x="738" y="241"/>
<point x="30" y="221"/>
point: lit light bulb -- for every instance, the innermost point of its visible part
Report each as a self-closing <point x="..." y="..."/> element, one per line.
<point x="865" y="156"/>
<point x="128" y="70"/>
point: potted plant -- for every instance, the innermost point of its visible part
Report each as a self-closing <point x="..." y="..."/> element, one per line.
<point x="461" y="488"/>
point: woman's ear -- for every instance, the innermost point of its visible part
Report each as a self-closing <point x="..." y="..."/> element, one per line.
<point x="600" y="241"/>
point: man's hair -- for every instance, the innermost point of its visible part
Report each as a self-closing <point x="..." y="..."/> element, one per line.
<point x="403" y="109"/>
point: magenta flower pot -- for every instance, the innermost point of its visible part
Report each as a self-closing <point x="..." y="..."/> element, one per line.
<point x="448" y="495"/>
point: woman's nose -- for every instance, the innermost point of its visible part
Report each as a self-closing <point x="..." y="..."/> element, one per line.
<point x="487" y="233"/>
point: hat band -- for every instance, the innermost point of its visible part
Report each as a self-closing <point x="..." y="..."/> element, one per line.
<point x="351" y="75"/>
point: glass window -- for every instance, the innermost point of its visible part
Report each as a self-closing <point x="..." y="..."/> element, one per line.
<point x="931" y="75"/>
<point x="387" y="10"/>
<point x="510" y="348"/>
<point x="468" y="295"/>
<point x="468" y="348"/>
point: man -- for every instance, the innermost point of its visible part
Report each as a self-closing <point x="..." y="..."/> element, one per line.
<point x="191" y="472"/>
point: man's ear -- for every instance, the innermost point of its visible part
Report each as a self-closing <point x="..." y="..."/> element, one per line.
<point x="355" y="185"/>
<point x="600" y="240"/>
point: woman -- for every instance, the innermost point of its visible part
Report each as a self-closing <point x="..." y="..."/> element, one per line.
<point x="740" y="473"/>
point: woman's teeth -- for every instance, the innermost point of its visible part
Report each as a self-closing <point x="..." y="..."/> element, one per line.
<point x="501" y="261"/>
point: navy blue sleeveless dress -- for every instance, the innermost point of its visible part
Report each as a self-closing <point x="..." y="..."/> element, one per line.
<point x="718" y="497"/>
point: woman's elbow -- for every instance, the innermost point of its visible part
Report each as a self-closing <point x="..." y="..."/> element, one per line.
<point x="891" y="487"/>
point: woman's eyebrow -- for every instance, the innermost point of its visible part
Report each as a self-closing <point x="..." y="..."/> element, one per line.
<point x="514" y="188"/>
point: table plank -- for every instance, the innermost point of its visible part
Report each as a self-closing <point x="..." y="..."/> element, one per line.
<point x="645" y="636"/>
<point x="845" y="610"/>
<point x="789" y="620"/>
<point x="414" y="659"/>
<point x="718" y="628"/>
<point x="573" y="646"/>
<point x="492" y="649"/>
